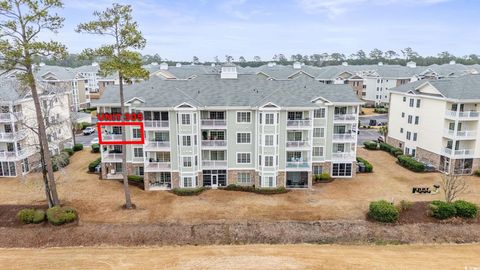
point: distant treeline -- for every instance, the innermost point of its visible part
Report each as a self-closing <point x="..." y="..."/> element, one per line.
<point x="375" y="56"/>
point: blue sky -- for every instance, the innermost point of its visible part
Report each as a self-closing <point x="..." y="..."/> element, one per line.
<point x="179" y="29"/>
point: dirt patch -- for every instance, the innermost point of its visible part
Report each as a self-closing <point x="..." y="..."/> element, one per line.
<point x="8" y="214"/>
<point x="418" y="213"/>
<point x="345" y="232"/>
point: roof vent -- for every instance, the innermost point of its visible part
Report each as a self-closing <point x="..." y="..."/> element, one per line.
<point x="345" y="64"/>
<point x="163" y="66"/>
<point x="297" y="65"/>
<point x="94" y="64"/>
<point x="452" y="62"/>
<point x="411" y="64"/>
<point x="178" y="65"/>
<point x="380" y="63"/>
<point x="229" y="71"/>
<point x="271" y="64"/>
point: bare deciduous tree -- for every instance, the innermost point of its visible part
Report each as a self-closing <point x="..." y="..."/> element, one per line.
<point x="453" y="185"/>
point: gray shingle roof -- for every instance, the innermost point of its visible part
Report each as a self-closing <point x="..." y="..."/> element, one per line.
<point x="247" y="90"/>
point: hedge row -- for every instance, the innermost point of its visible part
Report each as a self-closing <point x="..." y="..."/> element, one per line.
<point x="368" y="165"/>
<point x="77" y="147"/>
<point x="410" y="163"/>
<point x="94" y="164"/>
<point x="371" y="145"/>
<point x="31" y="216"/>
<point x="135" y="178"/>
<point x="444" y="210"/>
<point x="252" y="189"/>
<point x="381" y="110"/>
<point x="59" y="215"/>
<point x="383" y="211"/>
<point x="95" y="148"/>
<point x="188" y="191"/>
<point x="394" y="151"/>
<point x="322" y="177"/>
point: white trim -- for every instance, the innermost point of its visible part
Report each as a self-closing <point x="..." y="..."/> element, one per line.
<point x="243" y="123"/>
<point x="236" y="157"/>
<point x="236" y="137"/>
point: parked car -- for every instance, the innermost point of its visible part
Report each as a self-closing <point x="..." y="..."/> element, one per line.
<point x="372" y="122"/>
<point x="88" y="131"/>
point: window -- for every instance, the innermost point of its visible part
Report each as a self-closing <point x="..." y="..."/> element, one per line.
<point x="268" y="161"/>
<point x="403" y="115"/>
<point x="136" y="133"/>
<point x="243" y="117"/>
<point x="269" y="119"/>
<point x="410" y="119"/>
<point x="138" y="152"/>
<point x="411" y="102"/>
<point x="139" y="170"/>
<point x="243" y="158"/>
<point x="244" y="178"/>
<point x="409" y="135"/>
<point x="268" y="140"/>
<point x="401" y="130"/>
<point x="318" y="132"/>
<point x="319" y="113"/>
<point x="7" y="169"/>
<point x="243" y="137"/>
<point x="187" y="161"/>
<point x="342" y="169"/>
<point x="416" y="120"/>
<point x="317" y="169"/>
<point x="317" y="151"/>
<point x="187" y="182"/>
<point x="418" y="103"/>
<point x="415" y="137"/>
<point x="268" y="181"/>
<point x="185" y="119"/>
<point x="186" y="140"/>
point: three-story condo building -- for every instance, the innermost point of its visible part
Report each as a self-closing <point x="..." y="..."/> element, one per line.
<point x="228" y="128"/>
<point x="437" y="121"/>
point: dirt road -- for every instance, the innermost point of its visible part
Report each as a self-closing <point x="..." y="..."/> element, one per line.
<point x="246" y="257"/>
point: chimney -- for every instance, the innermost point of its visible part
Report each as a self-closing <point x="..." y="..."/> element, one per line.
<point x="178" y="65"/>
<point x="229" y="71"/>
<point x="380" y="63"/>
<point x="163" y="66"/>
<point x="411" y="64"/>
<point x="452" y="62"/>
<point x="345" y="64"/>
<point x="297" y="65"/>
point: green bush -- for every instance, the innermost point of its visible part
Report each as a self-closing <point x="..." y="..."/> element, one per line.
<point x="78" y="147"/>
<point x="188" y="191"/>
<point x="322" y="177"/>
<point x="30" y="215"/>
<point x="477" y="172"/>
<point x="84" y="125"/>
<point x="368" y="165"/>
<point x="93" y="164"/>
<point x="410" y="163"/>
<point x="383" y="211"/>
<point x="266" y="191"/>
<point x="371" y="145"/>
<point x="442" y="210"/>
<point x="95" y="148"/>
<point x="381" y="110"/>
<point x="61" y="160"/>
<point x="69" y="151"/>
<point x="59" y="215"/>
<point x="135" y="178"/>
<point x="396" y="152"/>
<point x="465" y="209"/>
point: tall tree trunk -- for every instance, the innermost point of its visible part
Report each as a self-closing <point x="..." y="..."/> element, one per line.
<point x="42" y="136"/>
<point x="73" y="134"/>
<point x="128" y="200"/>
<point x="45" y="179"/>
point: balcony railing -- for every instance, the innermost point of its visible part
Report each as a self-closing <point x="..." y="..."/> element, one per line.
<point x="156" y="145"/>
<point x="298" y="164"/>
<point x="158" y="166"/>
<point x="151" y="124"/>
<point x="299" y="123"/>
<point x="460" y="133"/>
<point x="343" y="156"/>
<point x="214" y="122"/>
<point x="462" y="115"/>
<point x="459" y="153"/>
<point x="12" y="136"/>
<point x="112" y="157"/>
<point x="297" y="144"/>
<point x="112" y="137"/>
<point x="214" y="164"/>
<point x="214" y="143"/>
<point x="6" y="155"/>
<point x="8" y="117"/>
<point x="344" y="137"/>
<point x="345" y="117"/>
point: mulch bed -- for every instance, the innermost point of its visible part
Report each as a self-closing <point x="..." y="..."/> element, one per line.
<point x="418" y="213"/>
<point x="8" y="214"/>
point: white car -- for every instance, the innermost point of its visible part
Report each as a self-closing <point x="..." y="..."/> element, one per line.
<point x="88" y="131"/>
<point x="94" y="141"/>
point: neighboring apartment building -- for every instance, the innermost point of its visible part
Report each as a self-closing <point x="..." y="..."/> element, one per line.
<point x="437" y="121"/>
<point x="95" y="82"/>
<point x="19" y="147"/>
<point x="228" y="128"/>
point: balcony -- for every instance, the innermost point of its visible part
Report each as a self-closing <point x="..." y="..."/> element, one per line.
<point x="10" y="137"/>
<point x="467" y="115"/>
<point x="345" y="118"/>
<point x="344" y="156"/>
<point x="111" y="137"/>
<point x="461" y="153"/>
<point x="214" y="144"/>
<point x="157" y="146"/>
<point x="158" y="166"/>
<point x="112" y="157"/>
<point x="214" y="164"/>
<point x="460" y="134"/>
<point x="156" y="125"/>
<point x="9" y="117"/>
<point x="214" y="123"/>
<point x="297" y="165"/>
<point x="344" y="137"/>
<point x="298" y="144"/>
<point x="7" y="155"/>
<point x="303" y="123"/>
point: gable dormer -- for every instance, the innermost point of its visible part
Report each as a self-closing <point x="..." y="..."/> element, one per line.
<point x="229" y="71"/>
<point x="428" y="88"/>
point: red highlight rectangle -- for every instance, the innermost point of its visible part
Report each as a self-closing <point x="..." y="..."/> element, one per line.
<point x="125" y="124"/>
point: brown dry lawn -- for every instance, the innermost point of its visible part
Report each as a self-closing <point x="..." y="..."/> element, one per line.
<point x="247" y="257"/>
<point x="100" y="201"/>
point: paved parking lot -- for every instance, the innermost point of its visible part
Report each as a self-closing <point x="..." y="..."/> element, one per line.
<point x="85" y="140"/>
<point x="367" y="134"/>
